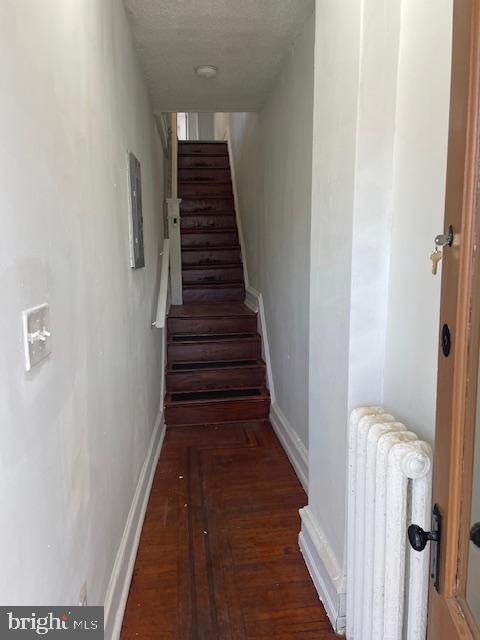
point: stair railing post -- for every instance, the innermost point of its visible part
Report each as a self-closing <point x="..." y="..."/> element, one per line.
<point x="173" y="205"/>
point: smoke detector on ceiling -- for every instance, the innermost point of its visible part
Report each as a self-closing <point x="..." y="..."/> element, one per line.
<point x="206" y="71"/>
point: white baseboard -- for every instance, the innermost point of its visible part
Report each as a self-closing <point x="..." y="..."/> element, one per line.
<point x="252" y="297"/>
<point x="119" y="586"/>
<point x="323" y="567"/>
<point x="294" y="447"/>
<point x="236" y="201"/>
<point x="254" y="300"/>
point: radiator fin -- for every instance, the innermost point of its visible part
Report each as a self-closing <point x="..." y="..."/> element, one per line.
<point x="389" y="486"/>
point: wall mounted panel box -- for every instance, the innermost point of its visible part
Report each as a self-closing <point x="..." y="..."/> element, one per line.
<point x="137" y="257"/>
<point x="36" y="335"/>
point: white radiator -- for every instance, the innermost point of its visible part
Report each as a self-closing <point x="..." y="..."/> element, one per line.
<point x="389" y="486"/>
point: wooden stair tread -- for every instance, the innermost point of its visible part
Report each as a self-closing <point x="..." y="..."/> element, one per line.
<point x="209" y="196"/>
<point x="209" y="397"/>
<point x="195" y="149"/>
<point x="197" y="161"/>
<point x="229" y="182"/>
<point x="188" y="232"/>
<point x="185" y="153"/>
<point x="196" y="155"/>
<point x="212" y="365"/>
<point x="202" y="212"/>
<point x="214" y="285"/>
<point x="220" y="265"/>
<point x="191" y="143"/>
<point x="210" y="310"/>
<point x="206" y="338"/>
<point x="218" y="247"/>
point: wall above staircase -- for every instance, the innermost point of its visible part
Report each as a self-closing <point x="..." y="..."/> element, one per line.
<point x="271" y="153"/>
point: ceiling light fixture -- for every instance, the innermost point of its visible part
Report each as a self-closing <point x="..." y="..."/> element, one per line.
<point x="206" y="71"/>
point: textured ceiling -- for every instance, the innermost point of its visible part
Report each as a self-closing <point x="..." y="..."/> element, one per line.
<point x="246" y="39"/>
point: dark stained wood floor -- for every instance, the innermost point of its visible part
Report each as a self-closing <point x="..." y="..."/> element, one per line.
<point x="219" y="557"/>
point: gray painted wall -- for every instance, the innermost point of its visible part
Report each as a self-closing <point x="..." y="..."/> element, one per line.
<point x="205" y="126"/>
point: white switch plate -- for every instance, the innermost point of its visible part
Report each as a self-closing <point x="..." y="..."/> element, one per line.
<point x="36" y="335"/>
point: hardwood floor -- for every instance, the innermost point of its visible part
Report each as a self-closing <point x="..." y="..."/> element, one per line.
<point x="218" y="557"/>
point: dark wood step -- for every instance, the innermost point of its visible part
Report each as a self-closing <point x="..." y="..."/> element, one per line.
<point x="211" y="318"/>
<point x="205" y="176"/>
<point x="213" y="325"/>
<point x="207" y="395"/>
<point x="213" y="212"/>
<point x="202" y="148"/>
<point x="212" y="256"/>
<point x="209" y="275"/>
<point x="228" y="292"/>
<point x="203" y="162"/>
<point x="206" y="204"/>
<point x="212" y="238"/>
<point x="212" y="348"/>
<point x="216" y="375"/>
<point x="253" y="407"/>
<point x="210" y="311"/>
<point x="205" y="221"/>
<point x="199" y="189"/>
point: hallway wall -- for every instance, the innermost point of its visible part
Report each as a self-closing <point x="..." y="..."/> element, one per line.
<point x="418" y="206"/>
<point x="206" y="125"/>
<point x="272" y="160"/>
<point x="337" y="51"/>
<point x="382" y="73"/>
<point x="75" y="429"/>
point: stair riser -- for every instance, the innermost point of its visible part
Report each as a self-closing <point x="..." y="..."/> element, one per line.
<point x="245" y="350"/>
<point x="207" y="204"/>
<point x="212" y="294"/>
<point x="209" y="276"/>
<point x="204" y="326"/>
<point x="192" y="189"/>
<point x="204" y="176"/>
<point x="216" y="412"/>
<point x="201" y="258"/>
<point x="206" y="222"/>
<point x="203" y="162"/>
<point x="237" y="378"/>
<point x="207" y="239"/>
<point x="202" y="148"/>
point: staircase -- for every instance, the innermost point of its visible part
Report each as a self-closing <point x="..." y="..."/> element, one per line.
<point x="215" y="371"/>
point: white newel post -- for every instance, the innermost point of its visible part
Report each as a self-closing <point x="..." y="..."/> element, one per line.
<point x="173" y="205"/>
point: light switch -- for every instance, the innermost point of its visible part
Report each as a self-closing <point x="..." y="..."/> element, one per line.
<point x="36" y="335"/>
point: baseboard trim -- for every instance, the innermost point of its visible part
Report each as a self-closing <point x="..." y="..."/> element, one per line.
<point x="236" y="201"/>
<point x="254" y="300"/>
<point x="252" y="297"/>
<point x="294" y="447"/>
<point x="119" y="586"/>
<point x="324" y="570"/>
